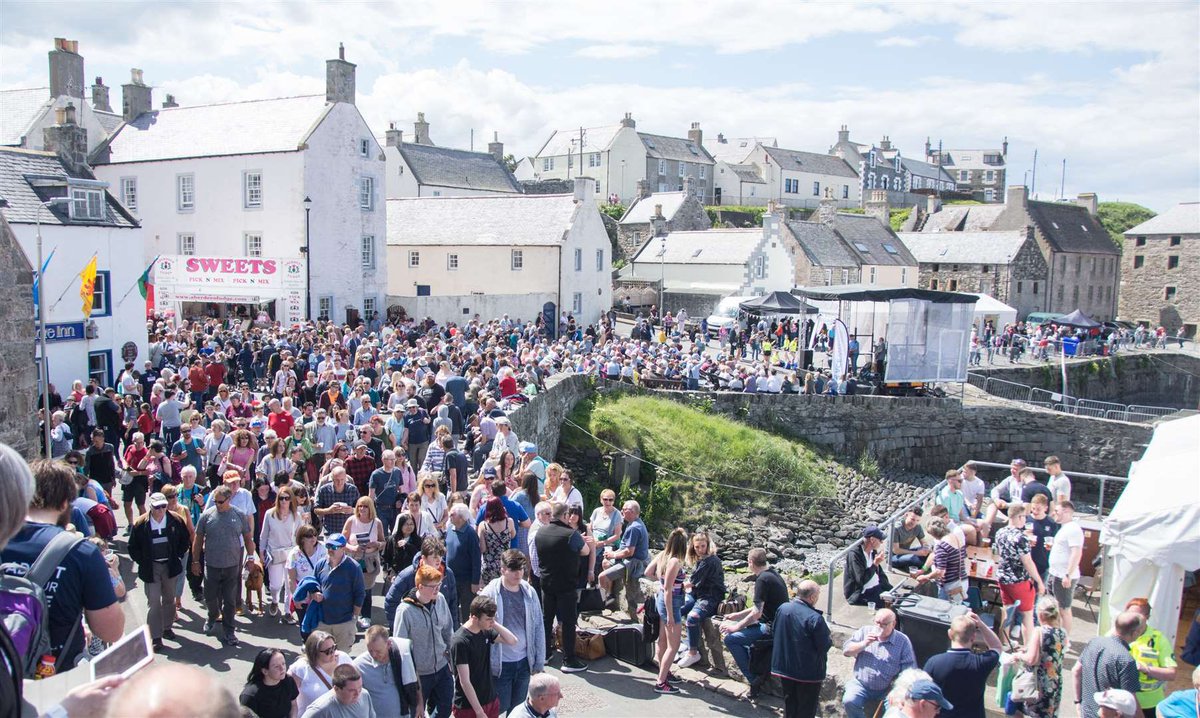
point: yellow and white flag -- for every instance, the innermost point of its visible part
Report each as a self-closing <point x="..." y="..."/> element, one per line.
<point x="87" y="287"/>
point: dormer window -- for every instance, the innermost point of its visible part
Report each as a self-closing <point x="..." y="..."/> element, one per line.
<point x="87" y="204"/>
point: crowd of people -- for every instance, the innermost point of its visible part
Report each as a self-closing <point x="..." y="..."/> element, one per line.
<point x="1040" y="342"/>
<point x="322" y="468"/>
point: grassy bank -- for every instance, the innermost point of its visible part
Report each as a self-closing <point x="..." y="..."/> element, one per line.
<point x="725" y="457"/>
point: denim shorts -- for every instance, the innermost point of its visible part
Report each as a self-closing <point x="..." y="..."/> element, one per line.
<point x="676" y="605"/>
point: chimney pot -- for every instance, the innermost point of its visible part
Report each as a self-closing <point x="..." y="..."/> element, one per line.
<point x="627" y="121"/>
<point x="421" y="130"/>
<point x="136" y="96"/>
<point x="585" y="187"/>
<point x="170" y="102"/>
<point x="1017" y="195"/>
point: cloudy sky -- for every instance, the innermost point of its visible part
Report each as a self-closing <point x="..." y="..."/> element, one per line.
<point x="1114" y="88"/>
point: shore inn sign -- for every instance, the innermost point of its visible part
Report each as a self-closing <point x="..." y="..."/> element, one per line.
<point x="258" y="281"/>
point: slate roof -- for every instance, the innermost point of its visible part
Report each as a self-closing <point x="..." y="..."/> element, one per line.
<point x="110" y="121"/>
<point x="642" y="210"/>
<point x="748" y="173"/>
<point x="882" y="245"/>
<point x="234" y="128"/>
<point x="963" y="218"/>
<point x="821" y="244"/>
<point x="446" y="167"/>
<point x="810" y="162"/>
<point x="709" y="246"/>
<point x="498" y="220"/>
<point x="1183" y="218"/>
<point x="925" y="169"/>
<point x="971" y="159"/>
<point x="964" y="247"/>
<point x="18" y="109"/>
<point x="661" y="147"/>
<point x="595" y="139"/>
<point x="737" y="149"/>
<point x="18" y="170"/>
<point x="1066" y="226"/>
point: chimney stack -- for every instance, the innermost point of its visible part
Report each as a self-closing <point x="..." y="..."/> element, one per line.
<point x="1004" y="148"/>
<point x="689" y="187"/>
<point x="885" y="144"/>
<point x="932" y="203"/>
<point x="844" y="134"/>
<point x="496" y="148"/>
<point x="170" y="102"/>
<point x="421" y="130"/>
<point x="67" y="139"/>
<point x="66" y="69"/>
<point x="136" y="96"/>
<point x="696" y="135"/>
<point x="721" y="139"/>
<point x="1017" y="196"/>
<point x="878" y="208"/>
<point x="1089" y="201"/>
<point x="659" y="222"/>
<point x="827" y="209"/>
<point x="100" y="96"/>
<point x="643" y="189"/>
<point x="585" y="188"/>
<point x="339" y="78"/>
<point x="627" y="120"/>
<point x="393" y="137"/>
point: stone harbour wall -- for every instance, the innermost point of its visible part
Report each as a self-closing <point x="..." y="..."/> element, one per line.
<point x="540" y="421"/>
<point x="1158" y="379"/>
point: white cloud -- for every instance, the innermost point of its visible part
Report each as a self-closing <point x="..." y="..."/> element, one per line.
<point x="616" y="52"/>
<point x="903" y="41"/>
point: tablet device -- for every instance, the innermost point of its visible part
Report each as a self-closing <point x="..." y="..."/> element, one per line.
<point x="126" y="656"/>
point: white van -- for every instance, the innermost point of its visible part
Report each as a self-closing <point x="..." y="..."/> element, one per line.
<point x="726" y="313"/>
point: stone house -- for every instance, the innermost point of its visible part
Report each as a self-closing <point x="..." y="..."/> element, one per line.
<point x="792" y="178"/>
<point x="878" y="166"/>
<point x="980" y="172"/>
<point x="1005" y="264"/>
<point x="683" y="211"/>
<point x="1082" y="259"/>
<point x="452" y="258"/>
<point x="617" y="157"/>
<point x="19" y="390"/>
<point x="695" y="269"/>
<point x="1160" y="271"/>
<point x="293" y="179"/>
<point x="422" y="169"/>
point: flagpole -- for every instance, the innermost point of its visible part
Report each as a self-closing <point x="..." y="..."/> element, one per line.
<point x="42" y="325"/>
<point x="137" y="281"/>
<point x="60" y="297"/>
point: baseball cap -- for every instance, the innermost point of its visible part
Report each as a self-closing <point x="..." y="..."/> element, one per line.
<point x="872" y="531"/>
<point x="157" y="500"/>
<point x="929" y="691"/>
<point x="335" y="541"/>
<point x="1117" y="699"/>
<point x="258" y="421"/>
<point x="360" y="444"/>
<point x="527" y="447"/>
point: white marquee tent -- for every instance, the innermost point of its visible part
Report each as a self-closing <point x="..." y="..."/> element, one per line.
<point x="1152" y="536"/>
<point x="988" y="307"/>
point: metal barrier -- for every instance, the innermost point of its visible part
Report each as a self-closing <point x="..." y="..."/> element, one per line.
<point x="1102" y="478"/>
<point x="1135" y="413"/>
<point x="890" y="523"/>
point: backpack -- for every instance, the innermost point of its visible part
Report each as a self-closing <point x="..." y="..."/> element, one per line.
<point x="25" y="609"/>
<point x="103" y="521"/>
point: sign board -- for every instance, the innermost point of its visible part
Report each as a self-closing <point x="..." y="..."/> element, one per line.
<point x="241" y="280"/>
<point x="129" y="352"/>
<point x="65" y="332"/>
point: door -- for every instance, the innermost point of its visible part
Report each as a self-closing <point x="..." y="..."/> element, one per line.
<point x="717" y="196"/>
<point x="352" y="317"/>
<point x="550" y="319"/>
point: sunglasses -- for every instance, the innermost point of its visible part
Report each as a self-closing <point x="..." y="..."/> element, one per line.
<point x="607" y="501"/>
<point x="328" y="651"/>
<point x="221" y="502"/>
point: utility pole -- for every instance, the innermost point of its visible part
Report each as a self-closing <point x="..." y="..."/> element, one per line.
<point x="1033" y="186"/>
<point x="1062" y="186"/>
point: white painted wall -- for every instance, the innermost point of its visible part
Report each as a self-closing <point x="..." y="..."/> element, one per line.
<point x="890" y="276"/>
<point x="775" y="176"/>
<point x="736" y="192"/>
<point x="480" y="269"/>
<point x="119" y="251"/>
<point x="626" y="146"/>
<point x="592" y="283"/>
<point x="84" y="116"/>
<point x="777" y="263"/>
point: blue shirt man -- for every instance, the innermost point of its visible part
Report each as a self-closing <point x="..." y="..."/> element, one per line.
<point x="880" y="652"/>
<point x="342" y="592"/>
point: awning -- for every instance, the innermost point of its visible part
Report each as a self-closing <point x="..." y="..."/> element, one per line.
<point x="1077" y="319"/>
<point x="777" y="303"/>
<point x="866" y="293"/>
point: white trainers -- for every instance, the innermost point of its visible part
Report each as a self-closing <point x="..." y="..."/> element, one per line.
<point x="690" y="659"/>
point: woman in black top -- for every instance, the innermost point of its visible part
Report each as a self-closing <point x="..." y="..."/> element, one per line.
<point x="707" y="591"/>
<point x="269" y="691"/>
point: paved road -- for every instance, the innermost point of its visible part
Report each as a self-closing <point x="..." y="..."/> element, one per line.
<point x="610" y="689"/>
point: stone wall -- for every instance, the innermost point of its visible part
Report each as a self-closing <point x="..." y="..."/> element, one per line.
<point x="1152" y="379"/>
<point x="932" y="435"/>
<point x="18" y="373"/>
<point x="1146" y="273"/>
<point x="540" y="421"/>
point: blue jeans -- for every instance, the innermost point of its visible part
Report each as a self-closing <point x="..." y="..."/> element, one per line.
<point x="857" y="696"/>
<point x="512" y="684"/>
<point x="739" y="643"/>
<point x="907" y="561"/>
<point x="438" y="691"/>
<point x="697" y="612"/>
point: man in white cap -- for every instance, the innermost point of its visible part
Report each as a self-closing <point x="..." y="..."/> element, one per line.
<point x="415" y="438"/>
<point x="1116" y="703"/>
<point x="530" y="461"/>
<point x="506" y="438"/>
<point x="157" y="543"/>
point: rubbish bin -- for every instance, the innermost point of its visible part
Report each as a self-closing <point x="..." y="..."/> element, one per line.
<point x="1070" y="346"/>
<point x="925" y="620"/>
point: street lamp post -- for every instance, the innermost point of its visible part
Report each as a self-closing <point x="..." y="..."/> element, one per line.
<point x="307" y="262"/>
<point x="41" y="300"/>
<point x="662" y="277"/>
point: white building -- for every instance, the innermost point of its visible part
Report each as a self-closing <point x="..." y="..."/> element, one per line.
<point x="618" y="156"/>
<point x="93" y="222"/>
<point x="791" y="177"/>
<point x="422" y="169"/>
<point x="233" y="181"/>
<point x="713" y="262"/>
<point x="452" y="258"/>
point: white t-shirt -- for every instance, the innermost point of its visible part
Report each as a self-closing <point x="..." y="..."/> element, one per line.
<point x="305" y="565"/>
<point x="1069" y="536"/>
<point x="573" y="499"/>
<point x="1059" y="485"/>
<point x="973" y="489"/>
<point x="311" y="685"/>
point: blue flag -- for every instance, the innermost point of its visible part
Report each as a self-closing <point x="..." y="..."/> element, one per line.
<point x="38" y="276"/>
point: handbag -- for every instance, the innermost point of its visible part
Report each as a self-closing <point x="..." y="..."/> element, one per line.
<point x="589" y="645"/>
<point x="590" y="600"/>
<point x="124" y="477"/>
<point x="1025" y="686"/>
